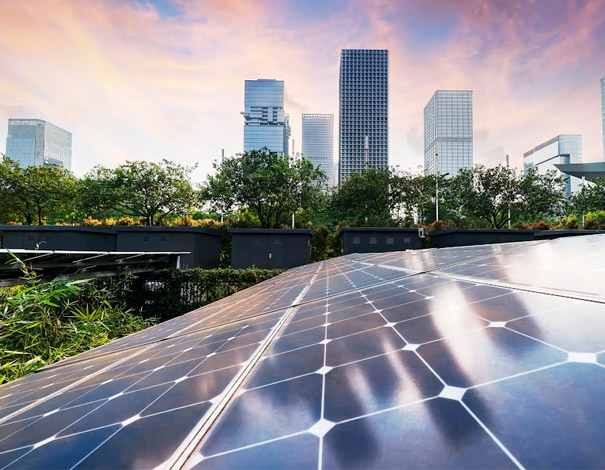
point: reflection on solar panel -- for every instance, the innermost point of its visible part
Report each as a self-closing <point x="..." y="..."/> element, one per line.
<point x="475" y="357"/>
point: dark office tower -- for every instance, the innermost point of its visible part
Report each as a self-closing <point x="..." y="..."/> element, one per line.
<point x="364" y="111"/>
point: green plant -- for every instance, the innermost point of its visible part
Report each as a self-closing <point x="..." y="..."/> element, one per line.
<point x="169" y="293"/>
<point x="44" y="322"/>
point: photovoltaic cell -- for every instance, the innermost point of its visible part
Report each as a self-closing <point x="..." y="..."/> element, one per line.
<point x="471" y="357"/>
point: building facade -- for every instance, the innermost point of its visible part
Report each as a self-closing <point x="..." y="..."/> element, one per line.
<point x="318" y="142"/>
<point x="266" y="124"/>
<point x="560" y="150"/>
<point x="34" y="142"/>
<point x="603" y="111"/>
<point x="448" y="132"/>
<point x="364" y="110"/>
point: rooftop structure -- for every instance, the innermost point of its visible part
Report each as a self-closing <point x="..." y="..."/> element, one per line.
<point x="560" y="150"/>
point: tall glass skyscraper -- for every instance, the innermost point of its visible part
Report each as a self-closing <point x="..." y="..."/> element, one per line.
<point x="448" y="132"/>
<point x="37" y="142"/>
<point x="266" y="124"/>
<point x="318" y="142"/>
<point x="603" y="111"/>
<point x="364" y="110"/>
<point x="563" y="149"/>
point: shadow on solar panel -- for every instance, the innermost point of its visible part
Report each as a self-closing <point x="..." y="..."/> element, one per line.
<point x="471" y="357"/>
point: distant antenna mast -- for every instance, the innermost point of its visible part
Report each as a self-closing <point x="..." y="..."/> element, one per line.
<point x="366" y="151"/>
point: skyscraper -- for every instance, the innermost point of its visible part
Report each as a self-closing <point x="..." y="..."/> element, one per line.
<point x="318" y="142"/>
<point x="603" y="111"/>
<point x="562" y="149"/>
<point x="448" y="132"/>
<point x="364" y="110"/>
<point x="37" y="142"/>
<point x="266" y="124"/>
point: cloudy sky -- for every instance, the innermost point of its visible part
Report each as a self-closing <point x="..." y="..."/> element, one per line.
<point x="142" y="79"/>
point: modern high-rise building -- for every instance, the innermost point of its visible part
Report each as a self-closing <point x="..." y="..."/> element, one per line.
<point x="603" y="111"/>
<point x="448" y="132"/>
<point x="364" y="111"/>
<point x="266" y="124"/>
<point x="318" y="142"/>
<point x="37" y="142"/>
<point x="560" y="150"/>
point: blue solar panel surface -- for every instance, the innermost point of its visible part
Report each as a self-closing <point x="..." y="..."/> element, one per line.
<point x="474" y="357"/>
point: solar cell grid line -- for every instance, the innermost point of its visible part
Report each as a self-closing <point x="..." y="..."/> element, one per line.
<point x="521" y="334"/>
<point x="440" y="258"/>
<point x="179" y="376"/>
<point x="548" y="273"/>
<point x="18" y="403"/>
<point x="182" y="454"/>
<point x="173" y="327"/>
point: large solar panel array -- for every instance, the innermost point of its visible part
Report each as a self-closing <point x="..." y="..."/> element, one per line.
<point x="475" y="357"/>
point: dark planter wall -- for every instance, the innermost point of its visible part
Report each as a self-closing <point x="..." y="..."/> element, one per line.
<point x="378" y="239"/>
<point x="464" y="237"/>
<point x="58" y="238"/>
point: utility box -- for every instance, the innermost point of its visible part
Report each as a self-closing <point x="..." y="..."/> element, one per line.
<point x="58" y="237"/>
<point x="203" y="244"/>
<point x="379" y="239"/>
<point x="269" y="248"/>
<point x="466" y="237"/>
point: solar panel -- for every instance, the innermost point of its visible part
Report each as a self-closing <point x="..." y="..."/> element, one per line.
<point x="58" y="265"/>
<point x="467" y="357"/>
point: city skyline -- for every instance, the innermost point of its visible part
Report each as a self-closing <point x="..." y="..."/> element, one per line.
<point x="163" y="79"/>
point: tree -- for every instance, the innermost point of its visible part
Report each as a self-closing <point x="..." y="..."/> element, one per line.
<point x="140" y="189"/>
<point x="590" y="197"/>
<point x="488" y="194"/>
<point x="366" y="198"/>
<point x="414" y="196"/>
<point x="35" y="192"/>
<point x="271" y="185"/>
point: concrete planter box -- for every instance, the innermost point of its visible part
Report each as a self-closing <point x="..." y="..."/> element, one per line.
<point x="465" y="237"/>
<point x="58" y="237"/>
<point x="269" y="248"/>
<point x="203" y="244"/>
<point x="378" y="239"/>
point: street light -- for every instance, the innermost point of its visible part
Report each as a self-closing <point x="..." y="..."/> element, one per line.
<point x="507" y="166"/>
<point x="437" y="187"/>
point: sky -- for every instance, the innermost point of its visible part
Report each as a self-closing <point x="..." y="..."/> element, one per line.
<point x="146" y="80"/>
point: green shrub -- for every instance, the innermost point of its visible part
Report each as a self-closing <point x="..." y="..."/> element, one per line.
<point x="42" y="323"/>
<point x="168" y="293"/>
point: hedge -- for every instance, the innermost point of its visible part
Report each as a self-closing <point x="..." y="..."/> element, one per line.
<point x="168" y="293"/>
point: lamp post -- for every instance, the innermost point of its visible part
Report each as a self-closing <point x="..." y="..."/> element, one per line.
<point x="507" y="166"/>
